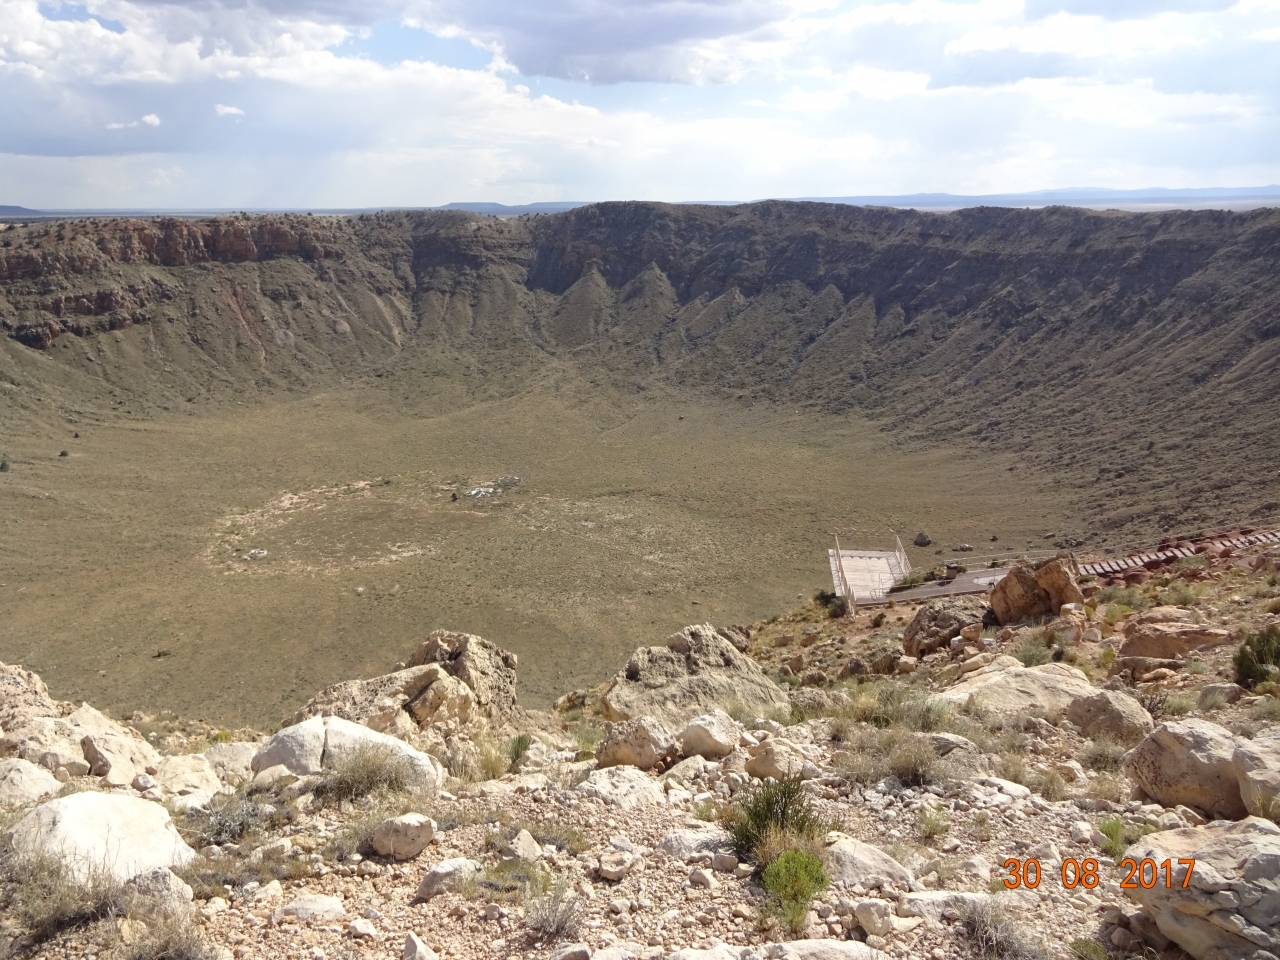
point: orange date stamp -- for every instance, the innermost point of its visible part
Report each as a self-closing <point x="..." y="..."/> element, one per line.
<point x="1075" y="873"/>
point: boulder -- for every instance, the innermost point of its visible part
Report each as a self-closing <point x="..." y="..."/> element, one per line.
<point x="697" y="671"/>
<point x="1006" y="687"/>
<point x="712" y="736"/>
<point x="377" y="703"/>
<point x="23" y="783"/>
<point x="1169" y="640"/>
<point x="343" y="738"/>
<point x="642" y="742"/>
<point x="1230" y="909"/>
<point x="446" y="701"/>
<point x="683" y="843"/>
<point x="1019" y="597"/>
<point x="939" y="905"/>
<point x="1189" y="762"/>
<point x="1112" y="714"/>
<point x="1257" y="766"/>
<point x="299" y="748"/>
<point x="23" y="696"/>
<point x="876" y="654"/>
<point x="232" y="762"/>
<point x="415" y="949"/>
<point x="88" y="832"/>
<point x="445" y="876"/>
<point x="616" y="864"/>
<point x="522" y="847"/>
<point x="54" y="742"/>
<point x="403" y="837"/>
<point x="777" y="757"/>
<point x="310" y="906"/>
<point x="1058" y="578"/>
<point x="488" y="671"/>
<point x="624" y="787"/>
<point x="938" y="621"/>
<point x="118" y="757"/>
<point x="856" y="863"/>
<point x="162" y="893"/>
<point x="186" y="774"/>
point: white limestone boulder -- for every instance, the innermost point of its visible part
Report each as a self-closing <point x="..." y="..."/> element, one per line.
<point x="23" y="783"/>
<point x="90" y="832"/>
<point x="643" y="743"/>
<point x="624" y="787"/>
<point x="186" y="774"/>
<point x="403" y="837"/>
<point x="856" y="863"/>
<point x="713" y="736"/>
<point x="298" y="748"/>
<point x="1230" y="908"/>
<point x="445" y="876"/>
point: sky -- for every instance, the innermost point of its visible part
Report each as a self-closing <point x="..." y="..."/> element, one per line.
<point x="365" y="103"/>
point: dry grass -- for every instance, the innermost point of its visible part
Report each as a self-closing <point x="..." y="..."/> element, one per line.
<point x="368" y="769"/>
<point x="171" y="938"/>
<point x="557" y="915"/>
<point x="994" y="933"/>
<point x="1102" y="754"/>
<point x="47" y="899"/>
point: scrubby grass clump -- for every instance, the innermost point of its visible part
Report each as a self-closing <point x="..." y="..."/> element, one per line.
<point x="771" y="819"/>
<point x="47" y="899"/>
<point x="994" y="934"/>
<point x="172" y="938"/>
<point x="369" y="768"/>
<point x="1258" y="657"/>
<point x="793" y="880"/>
<point x="556" y="916"/>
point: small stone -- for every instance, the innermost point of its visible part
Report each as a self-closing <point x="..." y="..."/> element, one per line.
<point x="703" y="878"/>
<point x="572" y="951"/>
<point x="361" y="929"/>
<point x="415" y="949"/>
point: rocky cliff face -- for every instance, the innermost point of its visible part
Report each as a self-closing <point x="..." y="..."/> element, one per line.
<point x="1112" y="348"/>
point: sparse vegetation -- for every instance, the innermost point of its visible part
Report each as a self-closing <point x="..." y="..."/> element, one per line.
<point x="47" y="898"/>
<point x="793" y="880"/>
<point x="772" y="818"/>
<point x="1102" y="754"/>
<point x="932" y="821"/>
<point x="557" y="915"/>
<point x="1113" y="829"/>
<point x="169" y="938"/>
<point x="364" y="770"/>
<point x="996" y="934"/>
<point x="518" y="745"/>
<point x="1089" y="950"/>
<point x="1258" y="657"/>
<point x="1032" y="651"/>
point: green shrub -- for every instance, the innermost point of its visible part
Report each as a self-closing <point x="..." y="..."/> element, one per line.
<point x="518" y="745"/>
<point x="792" y="880"/>
<point x="1032" y="652"/>
<point x="1113" y="829"/>
<point x="1130" y="597"/>
<point x="1258" y="656"/>
<point x="1049" y="785"/>
<point x="878" y="620"/>
<point x="1107" y="657"/>
<point x="932" y="822"/>
<point x="769" y="814"/>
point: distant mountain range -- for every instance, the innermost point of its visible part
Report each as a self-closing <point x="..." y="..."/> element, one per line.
<point x="1149" y="198"/>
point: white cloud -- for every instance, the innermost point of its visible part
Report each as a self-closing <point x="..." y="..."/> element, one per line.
<point x="727" y="99"/>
